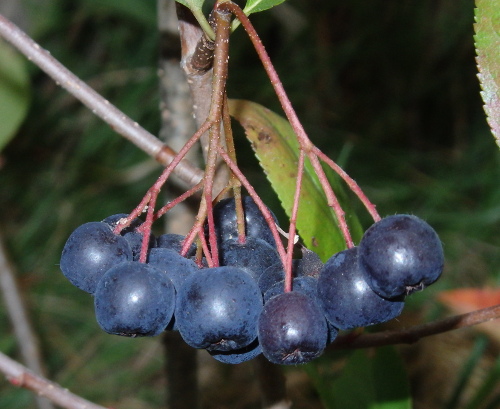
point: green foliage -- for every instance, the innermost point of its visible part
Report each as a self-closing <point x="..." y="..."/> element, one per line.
<point x="14" y="92"/>
<point x="254" y="6"/>
<point x="276" y="148"/>
<point x="192" y="4"/>
<point x="371" y="379"/>
<point x="196" y="7"/>
<point x="487" y="41"/>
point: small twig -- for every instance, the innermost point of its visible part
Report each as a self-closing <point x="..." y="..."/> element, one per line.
<point x="16" y="310"/>
<point x="120" y="122"/>
<point x="415" y="333"/>
<point x="21" y="376"/>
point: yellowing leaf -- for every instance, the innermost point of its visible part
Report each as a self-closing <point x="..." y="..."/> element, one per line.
<point x="276" y="148"/>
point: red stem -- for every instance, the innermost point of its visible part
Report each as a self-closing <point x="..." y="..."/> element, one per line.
<point x="370" y="207"/>
<point x="332" y="200"/>
<point x="271" y="72"/>
<point x="303" y="139"/>
<point x="177" y="200"/>
<point x="258" y="201"/>
<point x="293" y="223"/>
<point x="145" y="228"/>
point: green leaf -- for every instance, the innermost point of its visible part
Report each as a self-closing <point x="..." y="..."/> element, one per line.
<point x="371" y="380"/>
<point x="196" y="7"/>
<point x="276" y="148"/>
<point x="254" y="6"/>
<point x="14" y="92"/>
<point x="487" y="41"/>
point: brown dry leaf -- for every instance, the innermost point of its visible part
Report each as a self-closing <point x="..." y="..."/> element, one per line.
<point x="466" y="300"/>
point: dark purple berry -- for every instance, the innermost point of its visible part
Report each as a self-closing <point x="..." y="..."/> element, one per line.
<point x="226" y="226"/>
<point x="90" y="251"/>
<point x="271" y="275"/>
<point x="255" y="255"/>
<point x="217" y="309"/>
<point x="399" y="255"/>
<point x="307" y="285"/>
<point x="133" y="299"/>
<point x="347" y="300"/>
<point x="292" y="329"/>
<point x="309" y="265"/>
<point x="174" y="242"/>
<point x="176" y="267"/>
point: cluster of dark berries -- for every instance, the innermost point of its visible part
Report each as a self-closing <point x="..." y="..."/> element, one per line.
<point x="240" y="309"/>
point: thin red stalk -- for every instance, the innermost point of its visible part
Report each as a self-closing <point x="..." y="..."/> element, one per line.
<point x="331" y="198"/>
<point x="222" y="30"/>
<point x="146" y="227"/>
<point x="207" y="192"/>
<point x="133" y="214"/>
<point x="370" y="207"/>
<point x="258" y="201"/>
<point x="271" y="73"/>
<point x="177" y="200"/>
<point x="163" y="177"/>
<point x="293" y="223"/>
<point x="200" y="219"/>
<point x="290" y="113"/>
<point x="204" y="246"/>
<point x="184" y="150"/>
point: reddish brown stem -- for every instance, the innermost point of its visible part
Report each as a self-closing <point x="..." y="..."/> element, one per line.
<point x="162" y="178"/>
<point x="20" y="376"/>
<point x="222" y="30"/>
<point x="258" y="201"/>
<point x="332" y="200"/>
<point x="204" y="246"/>
<point x="370" y="207"/>
<point x="293" y="223"/>
<point x="271" y="72"/>
<point x="124" y="223"/>
<point x="177" y="200"/>
<point x="146" y="227"/>
<point x="303" y="139"/>
<point x="413" y="334"/>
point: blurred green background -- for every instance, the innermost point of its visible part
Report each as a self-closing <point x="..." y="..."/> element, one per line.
<point x="388" y="89"/>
